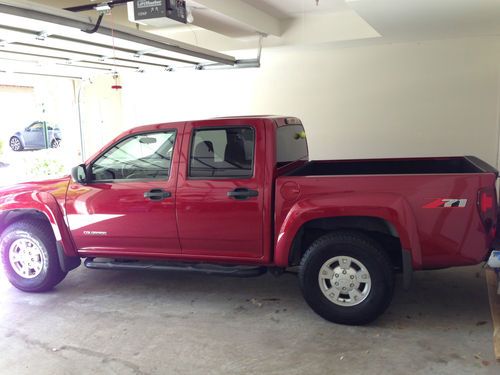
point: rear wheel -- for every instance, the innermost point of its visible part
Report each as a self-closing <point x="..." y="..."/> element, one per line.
<point x="29" y="256"/>
<point x="15" y="144"/>
<point x="55" y="143"/>
<point x="347" y="278"/>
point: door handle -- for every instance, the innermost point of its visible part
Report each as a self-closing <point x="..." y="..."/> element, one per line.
<point x="157" y="194"/>
<point x="242" y="193"/>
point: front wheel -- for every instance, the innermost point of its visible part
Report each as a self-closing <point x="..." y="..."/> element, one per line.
<point x="29" y="256"/>
<point x="15" y="144"/>
<point x="347" y="278"/>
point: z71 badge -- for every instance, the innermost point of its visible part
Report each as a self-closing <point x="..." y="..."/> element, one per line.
<point x="447" y="203"/>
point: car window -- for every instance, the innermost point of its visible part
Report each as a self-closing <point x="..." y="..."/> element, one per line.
<point x="142" y="156"/>
<point x="291" y="144"/>
<point x="222" y="153"/>
<point x="36" y="127"/>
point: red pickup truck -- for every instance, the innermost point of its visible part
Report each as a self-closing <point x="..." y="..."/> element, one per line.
<point x="238" y="196"/>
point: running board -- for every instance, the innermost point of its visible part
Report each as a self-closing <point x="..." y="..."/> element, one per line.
<point x="206" y="268"/>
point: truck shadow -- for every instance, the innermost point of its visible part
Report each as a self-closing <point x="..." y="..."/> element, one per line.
<point x="442" y="321"/>
<point x="449" y="299"/>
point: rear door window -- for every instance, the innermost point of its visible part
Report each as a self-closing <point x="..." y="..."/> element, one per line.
<point x="222" y="153"/>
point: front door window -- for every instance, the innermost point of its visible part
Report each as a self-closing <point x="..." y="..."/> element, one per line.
<point x="139" y="157"/>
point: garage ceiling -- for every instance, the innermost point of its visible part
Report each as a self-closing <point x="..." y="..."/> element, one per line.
<point x="293" y="8"/>
<point x="430" y="19"/>
<point x="55" y="45"/>
<point x="38" y="39"/>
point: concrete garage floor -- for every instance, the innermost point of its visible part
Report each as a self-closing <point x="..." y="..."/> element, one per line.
<point x="111" y="322"/>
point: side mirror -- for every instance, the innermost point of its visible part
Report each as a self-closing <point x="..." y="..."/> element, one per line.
<point x="79" y="174"/>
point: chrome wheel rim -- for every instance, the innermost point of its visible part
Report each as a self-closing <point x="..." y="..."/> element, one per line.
<point x="26" y="258"/>
<point x="345" y="281"/>
<point x="55" y="143"/>
<point x="15" y="144"/>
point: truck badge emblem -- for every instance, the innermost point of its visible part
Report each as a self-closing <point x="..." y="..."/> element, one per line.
<point x="447" y="203"/>
<point x="94" y="233"/>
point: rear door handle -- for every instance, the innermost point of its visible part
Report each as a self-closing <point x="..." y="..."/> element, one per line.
<point x="157" y="194"/>
<point x="242" y="193"/>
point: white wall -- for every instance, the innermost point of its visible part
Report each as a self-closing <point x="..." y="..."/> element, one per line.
<point x="415" y="99"/>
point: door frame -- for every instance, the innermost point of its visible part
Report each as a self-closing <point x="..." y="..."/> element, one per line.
<point x="263" y="181"/>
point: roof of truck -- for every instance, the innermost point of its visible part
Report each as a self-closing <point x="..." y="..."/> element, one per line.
<point x="250" y="116"/>
<point x="280" y="120"/>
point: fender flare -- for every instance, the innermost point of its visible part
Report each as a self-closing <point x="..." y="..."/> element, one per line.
<point x="46" y="204"/>
<point x="390" y="207"/>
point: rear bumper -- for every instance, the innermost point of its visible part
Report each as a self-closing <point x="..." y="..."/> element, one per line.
<point x="494" y="263"/>
<point x="494" y="259"/>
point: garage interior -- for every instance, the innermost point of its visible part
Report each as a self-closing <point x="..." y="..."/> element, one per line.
<point x="369" y="79"/>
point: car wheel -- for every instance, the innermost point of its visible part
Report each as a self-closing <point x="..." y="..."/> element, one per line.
<point x="55" y="143"/>
<point x="29" y="256"/>
<point x="15" y="144"/>
<point x="347" y="278"/>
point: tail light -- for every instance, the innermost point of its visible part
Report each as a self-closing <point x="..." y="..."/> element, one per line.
<point x="487" y="206"/>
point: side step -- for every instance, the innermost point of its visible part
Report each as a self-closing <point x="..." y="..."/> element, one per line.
<point x="206" y="268"/>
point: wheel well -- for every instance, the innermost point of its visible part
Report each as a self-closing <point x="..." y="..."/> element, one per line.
<point x="9" y="217"/>
<point x="378" y="229"/>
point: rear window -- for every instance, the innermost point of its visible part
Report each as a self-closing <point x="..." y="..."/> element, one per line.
<point x="291" y="144"/>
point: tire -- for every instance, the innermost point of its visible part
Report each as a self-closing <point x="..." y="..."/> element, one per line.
<point x="16" y="144"/>
<point x="29" y="256"/>
<point x="55" y="143"/>
<point x="347" y="278"/>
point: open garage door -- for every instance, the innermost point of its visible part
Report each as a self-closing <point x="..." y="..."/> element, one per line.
<point x="39" y="132"/>
<point x="38" y="39"/>
<point x="62" y="117"/>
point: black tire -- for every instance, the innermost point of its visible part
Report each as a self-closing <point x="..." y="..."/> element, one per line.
<point x="55" y="143"/>
<point x="362" y="249"/>
<point x="40" y="234"/>
<point x="16" y="144"/>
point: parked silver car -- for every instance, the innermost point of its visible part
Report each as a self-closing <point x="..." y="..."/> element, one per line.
<point x="33" y="137"/>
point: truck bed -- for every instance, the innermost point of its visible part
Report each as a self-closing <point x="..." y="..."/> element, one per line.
<point x="439" y="195"/>
<point x="450" y="165"/>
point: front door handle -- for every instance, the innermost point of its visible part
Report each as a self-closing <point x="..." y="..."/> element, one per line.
<point x="157" y="194"/>
<point x="242" y="193"/>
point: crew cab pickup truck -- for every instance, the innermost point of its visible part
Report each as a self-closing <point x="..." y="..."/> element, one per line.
<point x="239" y="196"/>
